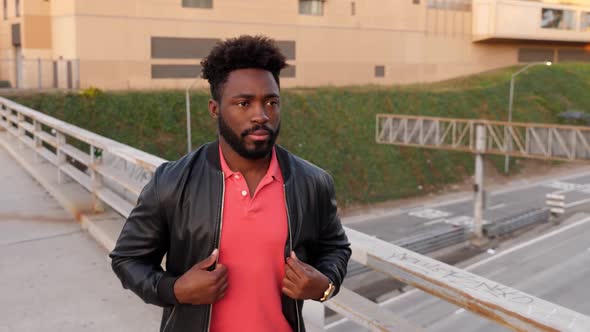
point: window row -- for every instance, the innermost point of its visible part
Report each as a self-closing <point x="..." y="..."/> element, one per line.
<point x="5" y="8"/>
<point x="306" y="7"/>
<point x="563" y="19"/>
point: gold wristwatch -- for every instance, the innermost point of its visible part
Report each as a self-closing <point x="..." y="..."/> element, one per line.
<point x="328" y="293"/>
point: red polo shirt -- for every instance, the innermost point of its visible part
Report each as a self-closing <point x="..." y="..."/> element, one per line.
<point x="253" y="238"/>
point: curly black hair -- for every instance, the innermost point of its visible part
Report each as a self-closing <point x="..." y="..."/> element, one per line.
<point x="239" y="53"/>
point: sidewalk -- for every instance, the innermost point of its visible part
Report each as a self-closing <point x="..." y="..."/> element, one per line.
<point x="53" y="275"/>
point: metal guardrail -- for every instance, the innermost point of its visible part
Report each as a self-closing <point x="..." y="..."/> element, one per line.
<point x="57" y="141"/>
<point x="435" y="239"/>
<point x="510" y="224"/>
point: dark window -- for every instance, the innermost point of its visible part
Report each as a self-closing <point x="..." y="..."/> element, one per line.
<point x="379" y="71"/>
<point x="573" y="55"/>
<point x="5" y="12"/>
<point x="17" y="8"/>
<point x="416" y="2"/>
<point x="353" y="8"/>
<point x="16" y="34"/>
<point x="197" y="3"/>
<point x="181" y="48"/>
<point x="176" y="71"/>
<point x="459" y="5"/>
<point x="535" y="54"/>
<point x="287" y="47"/>
<point x="288" y="71"/>
<point x="311" y="7"/>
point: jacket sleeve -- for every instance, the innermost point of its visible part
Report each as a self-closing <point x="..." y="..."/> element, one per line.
<point x="142" y="244"/>
<point x="333" y="249"/>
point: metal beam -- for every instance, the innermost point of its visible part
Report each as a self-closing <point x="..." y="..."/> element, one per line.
<point x="527" y="140"/>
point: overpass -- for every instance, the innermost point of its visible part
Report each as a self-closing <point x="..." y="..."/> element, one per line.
<point x="98" y="181"/>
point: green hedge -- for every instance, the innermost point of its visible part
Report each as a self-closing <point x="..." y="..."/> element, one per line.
<point x="334" y="127"/>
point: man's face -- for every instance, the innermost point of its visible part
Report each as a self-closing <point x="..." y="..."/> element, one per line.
<point x="248" y="116"/>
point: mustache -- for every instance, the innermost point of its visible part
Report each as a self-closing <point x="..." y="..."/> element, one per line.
<point x="258" y="127"/>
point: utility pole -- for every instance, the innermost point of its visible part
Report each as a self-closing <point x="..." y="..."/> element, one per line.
<point x="480" y="147"/>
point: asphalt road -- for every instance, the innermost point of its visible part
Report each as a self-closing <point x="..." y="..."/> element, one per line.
<point x="501" y="204"/>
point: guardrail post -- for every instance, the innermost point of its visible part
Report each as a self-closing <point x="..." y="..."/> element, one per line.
<point x="96" y="178"/>
<point x="3" y="114"/>
<point x="21" y="130"/>
<point x="36" y="138"/>
<point x="61" y="157"/>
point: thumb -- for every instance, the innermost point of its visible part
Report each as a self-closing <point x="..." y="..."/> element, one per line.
<point x="207" y="262"/>
<point x="293" y="256"/>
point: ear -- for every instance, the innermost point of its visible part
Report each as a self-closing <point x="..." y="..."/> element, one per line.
<point x="213" y="108"/>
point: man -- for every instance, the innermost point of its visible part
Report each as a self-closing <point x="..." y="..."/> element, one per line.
<point x="249" y="230"/>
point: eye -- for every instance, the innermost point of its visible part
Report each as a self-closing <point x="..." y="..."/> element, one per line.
<point x="272" y="103"/>
<point x="243" y="103"/>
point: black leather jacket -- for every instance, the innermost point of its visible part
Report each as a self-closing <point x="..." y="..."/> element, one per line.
<point x="179" y="214"/>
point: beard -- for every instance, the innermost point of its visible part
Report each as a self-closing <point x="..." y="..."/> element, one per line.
<point x="261" y="148"/>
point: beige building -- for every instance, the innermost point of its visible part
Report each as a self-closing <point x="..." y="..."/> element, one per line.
<point x="158" y="44"/>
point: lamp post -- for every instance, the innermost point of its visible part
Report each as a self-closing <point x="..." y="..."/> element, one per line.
<point x="511" y="99"/>
<point x="189" y="144"/>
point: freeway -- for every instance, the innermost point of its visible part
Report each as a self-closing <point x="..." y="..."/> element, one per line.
<point x="504" y="203"/>
<point x="554" y="267"/>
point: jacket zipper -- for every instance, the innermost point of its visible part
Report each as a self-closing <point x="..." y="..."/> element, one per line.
<point x="291" y="249"/>
<point x="169" y="319"/>
<point x="218" y="243"/>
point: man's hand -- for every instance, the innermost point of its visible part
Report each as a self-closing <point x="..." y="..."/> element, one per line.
<point x="199" y="286"/>
<point x="302" y="281"/>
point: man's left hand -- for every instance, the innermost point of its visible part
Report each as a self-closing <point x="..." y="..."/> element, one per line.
<point x="302" y="281"/>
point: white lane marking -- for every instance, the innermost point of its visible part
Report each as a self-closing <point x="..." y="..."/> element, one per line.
<point x="528" y="243"/>
<point x="429" y="214"/>
<point x="562" y="185"/>
<point x="576" y="203"/>
<point x="437" y="221"/>
<point x="497" y="206"/>
<point x="498" y="255"/>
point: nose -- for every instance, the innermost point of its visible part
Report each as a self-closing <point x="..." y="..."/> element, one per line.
<point x="260" y="115"/>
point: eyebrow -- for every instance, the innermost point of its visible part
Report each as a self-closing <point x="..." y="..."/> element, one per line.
<point x="249" y="96"/>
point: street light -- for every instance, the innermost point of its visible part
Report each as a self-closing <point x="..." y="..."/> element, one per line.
<point x="189" y="144"/>
<point x="545" y="63"/>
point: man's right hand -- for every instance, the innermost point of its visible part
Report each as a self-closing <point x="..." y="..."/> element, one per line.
<point x="199" y="286"/>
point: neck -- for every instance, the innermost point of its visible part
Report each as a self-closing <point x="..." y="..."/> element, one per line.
<point x="240" y="164"/>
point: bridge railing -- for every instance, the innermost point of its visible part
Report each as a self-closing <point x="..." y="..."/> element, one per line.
<point x="114" y="173"/>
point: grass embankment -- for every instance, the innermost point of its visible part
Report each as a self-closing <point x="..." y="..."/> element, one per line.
<point x="334" y="127"/>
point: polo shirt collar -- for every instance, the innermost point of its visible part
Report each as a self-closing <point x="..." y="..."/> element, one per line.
<point x="273" y="169"/>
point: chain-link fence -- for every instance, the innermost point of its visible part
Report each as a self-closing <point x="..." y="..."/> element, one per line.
<point x="40" y="73"/>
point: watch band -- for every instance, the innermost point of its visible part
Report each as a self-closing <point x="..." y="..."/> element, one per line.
<point x="328" y="292"/>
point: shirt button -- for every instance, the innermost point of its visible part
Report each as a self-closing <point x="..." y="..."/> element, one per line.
<point x="244" y="193"/>
<point x="236" y="177"/>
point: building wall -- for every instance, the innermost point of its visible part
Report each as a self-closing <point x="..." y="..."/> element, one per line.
<point x="143" y="44"/>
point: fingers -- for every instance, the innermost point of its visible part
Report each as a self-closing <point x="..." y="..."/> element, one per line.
<point x="296" y="265"/>
<point x="221" y="290"/>
<point x="290" y="274"/>
<point x="207" y="262"/>
<point x="289" y="293"/>
<point x="290" y="289"/>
